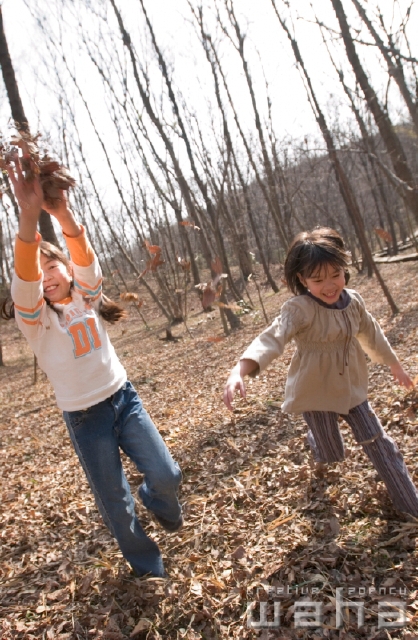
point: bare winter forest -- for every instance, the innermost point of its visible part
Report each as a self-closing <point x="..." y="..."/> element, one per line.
<point x="191" y="190"/>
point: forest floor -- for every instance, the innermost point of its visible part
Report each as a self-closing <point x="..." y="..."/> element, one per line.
<point x="261" y="524"/>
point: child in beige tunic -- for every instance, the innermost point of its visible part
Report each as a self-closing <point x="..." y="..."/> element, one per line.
<point x="327" y="378"/>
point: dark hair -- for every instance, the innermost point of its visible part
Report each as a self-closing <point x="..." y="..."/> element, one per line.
<point x="108" y="310"/>
<point x="310" y="250"/>
<point x="7" y="309"/>
<point x="53" y="252"/>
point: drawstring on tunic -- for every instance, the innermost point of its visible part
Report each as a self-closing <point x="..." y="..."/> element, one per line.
<point x="346" y="342"/>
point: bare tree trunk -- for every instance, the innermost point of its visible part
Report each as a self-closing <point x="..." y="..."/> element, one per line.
<point x="371" y="151"/>
<point x="182" y="182"/>
<point x="394" y="62"/>
<point x="213" y="60"/>
<point x="341" y="177"/>
<point x="203" y="187"/>
<point x="273" y="199"/>
<point x="45" y="223"/>
<point x="184" y="187"/>
<point x="383" y="122"/>
<point x="2" y="274"/>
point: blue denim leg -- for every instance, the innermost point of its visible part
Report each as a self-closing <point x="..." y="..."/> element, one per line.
<point x="142" y="443"/>
<point x="97" y="435"/>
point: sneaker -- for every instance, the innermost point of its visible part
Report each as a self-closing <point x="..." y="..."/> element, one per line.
<point x="168" y="525"/>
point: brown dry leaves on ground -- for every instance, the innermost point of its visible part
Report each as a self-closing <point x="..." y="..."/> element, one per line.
<point x="258" y="516"/>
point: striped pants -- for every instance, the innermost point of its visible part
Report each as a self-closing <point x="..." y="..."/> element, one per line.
<point x="327" y="445"/>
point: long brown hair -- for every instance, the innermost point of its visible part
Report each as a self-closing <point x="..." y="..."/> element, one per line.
<point x="310" y="250"/>
<point x="108" y="310"/>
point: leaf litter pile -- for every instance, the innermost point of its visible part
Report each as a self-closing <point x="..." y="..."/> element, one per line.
<point x="263" y="526"/>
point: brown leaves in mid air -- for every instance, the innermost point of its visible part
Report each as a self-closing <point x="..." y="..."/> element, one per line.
<point x="186" y="223"/>
<point x="129" y="297"/>
<point x="53" y="177"/>
<point x="385" y="235"/>
<point x="132" y="297"/>
<point x="213" y="289"/>
<point x="184" y="264"/>
<point x="155" y="260"/>
<point x="152" y="248"/>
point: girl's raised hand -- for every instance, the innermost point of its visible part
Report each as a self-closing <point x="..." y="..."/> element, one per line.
<point x="60" y="207"/>
<point x="63" y="214"/>
<point x="28" y="194"/>
<point x="401" y="376"/>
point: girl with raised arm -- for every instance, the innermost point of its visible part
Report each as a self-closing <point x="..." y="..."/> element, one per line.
<point x="59" y="307"/>
<point x="327" y="377"/>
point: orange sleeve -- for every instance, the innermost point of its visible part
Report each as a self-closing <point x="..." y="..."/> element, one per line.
<point x="27" y="264"/>
<point x="80" y="249"/>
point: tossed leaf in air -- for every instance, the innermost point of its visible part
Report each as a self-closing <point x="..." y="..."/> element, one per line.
<point x="209" y="296"/>
<point x="155" y="262"/>
<point x="216" y="266"/>
<point x="218" y="278"/>
<point x="186" y="223"/>
<point x="184" y="264"/>
<point x="152" y="248"/>
<point x="129" y="297"/>
<point x="385" y="235"/>
<point x="233" y="307"/>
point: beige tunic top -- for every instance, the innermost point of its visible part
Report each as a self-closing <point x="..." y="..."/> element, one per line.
<point x="328" y="371"/>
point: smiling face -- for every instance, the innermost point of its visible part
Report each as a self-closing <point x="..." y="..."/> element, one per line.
<point x="325" y="283"/>
<point x="57" y="278"/>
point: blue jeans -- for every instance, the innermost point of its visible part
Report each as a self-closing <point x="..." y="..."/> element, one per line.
<point x="98" y="434"/>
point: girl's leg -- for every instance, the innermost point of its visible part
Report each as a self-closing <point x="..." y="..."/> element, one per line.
<point x="324" y="436"/>
<point x="385" y="456"/>
<point x="314" y="449"/>
<point x="141" y="441"/>
<point x="95" y="440"/>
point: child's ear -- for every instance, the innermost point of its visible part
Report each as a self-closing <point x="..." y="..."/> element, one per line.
<point x="302" y="280"/>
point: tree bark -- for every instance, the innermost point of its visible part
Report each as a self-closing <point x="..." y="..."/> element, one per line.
<point x="213" y="60"/>
<point x="273" y="199"/>
<point x="344" y="185"/>
<point x="45" y="223"/>
<point x="393" y="61"/>
<point x="383" y="122"/>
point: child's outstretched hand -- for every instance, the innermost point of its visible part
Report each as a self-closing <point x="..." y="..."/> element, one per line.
<point x="60" y="208"/>
<point x="62" y="213"/>
<point x="234" y="382"/>
<point x="401" y="376"/>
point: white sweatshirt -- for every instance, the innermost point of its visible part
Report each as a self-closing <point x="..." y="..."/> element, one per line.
<point x="72" y="347"/>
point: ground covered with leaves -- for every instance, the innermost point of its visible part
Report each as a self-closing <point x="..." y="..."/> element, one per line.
<point x="264" y="529"/>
